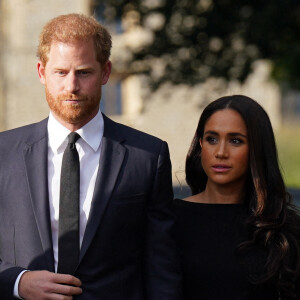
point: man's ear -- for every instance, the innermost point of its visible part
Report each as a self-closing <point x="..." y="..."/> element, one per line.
<point x="106" y="69"/>
<point x="41" y="72"/>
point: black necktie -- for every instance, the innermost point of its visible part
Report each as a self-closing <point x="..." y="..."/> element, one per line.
<point x="68" y="232"/>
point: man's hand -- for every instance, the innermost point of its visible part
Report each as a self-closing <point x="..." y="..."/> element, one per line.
<point x="38" y="285"/>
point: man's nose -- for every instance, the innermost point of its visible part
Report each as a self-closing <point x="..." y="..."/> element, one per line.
<point x="222" y="150"/>
<point x="72" y="83"/>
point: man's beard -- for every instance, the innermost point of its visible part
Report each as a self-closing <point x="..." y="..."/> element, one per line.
<point x="73" y="112"/>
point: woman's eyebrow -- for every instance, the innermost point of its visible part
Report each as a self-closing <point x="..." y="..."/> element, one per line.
<point x="230" y="134"/>
<point x="211" y="132"/>
<point x="237" y="133"/>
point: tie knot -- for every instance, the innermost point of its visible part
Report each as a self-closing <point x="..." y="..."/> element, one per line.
<point x="73" y="137"/>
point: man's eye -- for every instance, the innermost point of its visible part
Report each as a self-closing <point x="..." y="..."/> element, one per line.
<point x="83" y="72"/>
<point x="211" y="140"/>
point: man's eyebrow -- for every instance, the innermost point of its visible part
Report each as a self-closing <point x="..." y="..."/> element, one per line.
<point x="86" y="65"/>
<point x="84" y="68"/>
<point x="59" y="68"/>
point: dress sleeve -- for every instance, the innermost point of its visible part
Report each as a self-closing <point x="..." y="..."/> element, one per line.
<point x="298" y="289"/>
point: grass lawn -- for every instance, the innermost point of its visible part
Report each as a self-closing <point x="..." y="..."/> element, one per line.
<point x="288" y="144"/>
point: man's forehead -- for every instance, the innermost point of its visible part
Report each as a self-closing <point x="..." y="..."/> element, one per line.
<point x="72" y="43"/>
<point x="81" y="55"/>
<point x="76" y="48"/>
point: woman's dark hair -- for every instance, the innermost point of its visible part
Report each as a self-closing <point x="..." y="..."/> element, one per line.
<point x="273" y="222"/>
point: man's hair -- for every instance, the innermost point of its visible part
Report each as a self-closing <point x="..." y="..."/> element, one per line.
<point x="71" y="28"/>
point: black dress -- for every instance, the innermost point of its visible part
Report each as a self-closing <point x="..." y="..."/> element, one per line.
<point x="208" y="236"/>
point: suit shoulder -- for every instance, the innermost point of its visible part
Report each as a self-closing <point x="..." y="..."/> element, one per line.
<point x="132" y="134"/>
<point x="28" y="133"/>
<point x="140" y="134"/>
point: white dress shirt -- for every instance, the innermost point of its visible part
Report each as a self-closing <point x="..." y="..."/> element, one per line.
<point x="88" y="147"/>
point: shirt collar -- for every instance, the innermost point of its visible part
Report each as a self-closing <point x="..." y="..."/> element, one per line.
<point x="91" y="132"/>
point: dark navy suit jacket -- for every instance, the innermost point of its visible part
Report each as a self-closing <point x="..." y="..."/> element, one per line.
<point x="127" y="251"/>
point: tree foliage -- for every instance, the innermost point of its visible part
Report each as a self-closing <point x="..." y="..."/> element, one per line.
<point x="195" y="39"/>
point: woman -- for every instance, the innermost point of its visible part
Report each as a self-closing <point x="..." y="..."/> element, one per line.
<point x="238" y="234"/>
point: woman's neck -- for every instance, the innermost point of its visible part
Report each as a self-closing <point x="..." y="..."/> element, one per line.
<point x="217" y="194"/>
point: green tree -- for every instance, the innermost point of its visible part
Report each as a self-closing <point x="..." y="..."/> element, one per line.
<point x="196" y="39"/>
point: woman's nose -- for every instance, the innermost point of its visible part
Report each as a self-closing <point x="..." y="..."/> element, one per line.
<point x="222" y="151"/>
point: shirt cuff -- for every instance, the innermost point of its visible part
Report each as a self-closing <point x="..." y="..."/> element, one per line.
<point x="16" y="286"/>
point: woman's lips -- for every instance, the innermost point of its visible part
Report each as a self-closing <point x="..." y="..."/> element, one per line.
<point x="220" y="168"/>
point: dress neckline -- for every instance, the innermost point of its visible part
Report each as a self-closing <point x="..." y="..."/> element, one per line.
<point x="185" y="202"/>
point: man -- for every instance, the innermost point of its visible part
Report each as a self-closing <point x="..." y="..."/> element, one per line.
<point x="124" y="227"/>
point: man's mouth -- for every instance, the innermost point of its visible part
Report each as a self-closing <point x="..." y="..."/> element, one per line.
<point x="73" y="100"/>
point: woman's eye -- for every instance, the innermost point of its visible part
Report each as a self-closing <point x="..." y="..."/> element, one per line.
<point x="236" y="141"/>
<point x="211" y="140"/>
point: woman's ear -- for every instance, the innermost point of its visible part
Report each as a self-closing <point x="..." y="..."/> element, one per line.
<point x="200" y="142"/>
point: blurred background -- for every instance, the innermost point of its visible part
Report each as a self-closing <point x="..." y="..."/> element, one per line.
<point x="170" y="59"/>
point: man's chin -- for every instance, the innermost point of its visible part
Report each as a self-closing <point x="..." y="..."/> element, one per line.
<point x="70" y="117"/>
<point x="74" y="113"/>
<point x="75" y="117"/>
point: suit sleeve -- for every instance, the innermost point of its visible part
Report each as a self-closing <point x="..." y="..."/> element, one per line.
<point x="163" y="278"/>
<point x="9" y="270"/>
<point x="8" y="276"/>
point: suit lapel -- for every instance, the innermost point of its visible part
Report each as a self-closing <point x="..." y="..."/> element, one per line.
<point x="111" y="159"/>
<point x="35" y="157"/>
